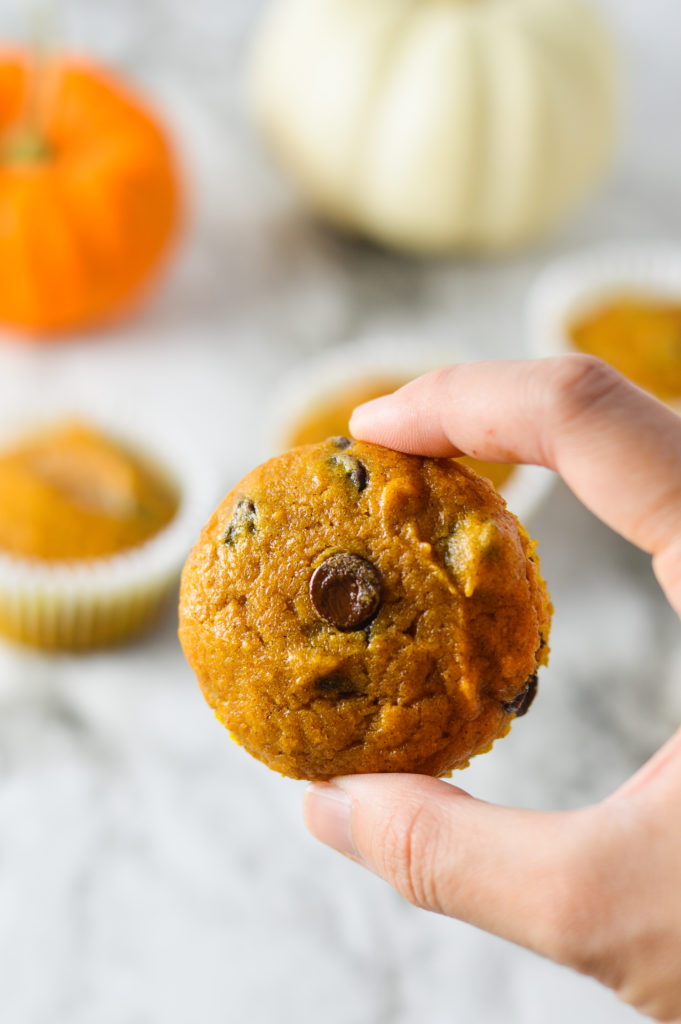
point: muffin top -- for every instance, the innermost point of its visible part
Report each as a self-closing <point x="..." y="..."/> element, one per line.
<point x="352" y="609"/>
<point x="69" y="492"/>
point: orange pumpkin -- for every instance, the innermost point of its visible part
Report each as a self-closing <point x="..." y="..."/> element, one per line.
<point x="89" y="195"/>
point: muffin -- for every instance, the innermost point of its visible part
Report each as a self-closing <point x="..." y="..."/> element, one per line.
<point x="70" y="493"/>
<point x="640" y="336"/>
<point x="352" y="609"/>
<point x="90" y="534"/>
<point x="621" y="303"/>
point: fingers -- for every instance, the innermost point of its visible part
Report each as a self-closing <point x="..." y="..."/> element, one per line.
<point x="596" y="889"/>
<point x="615" y="446"/>
<point x="515" y="873"/>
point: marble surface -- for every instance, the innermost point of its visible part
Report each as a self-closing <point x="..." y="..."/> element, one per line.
<point x="149" y="870"/>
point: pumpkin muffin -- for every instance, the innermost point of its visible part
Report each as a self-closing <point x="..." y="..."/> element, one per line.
<point x="352" y="609"/>
<point x="640" y="336"/>
<point x="88" y="537"/>
<point x="69" y="493"/>
<point x="620" y="302"/>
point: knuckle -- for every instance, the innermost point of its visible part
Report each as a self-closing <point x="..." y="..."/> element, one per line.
<point x="603" y="918"/>
<point x="442" y="383"/>
<point x="585" y="900"/>
<point x="410" y="845"/>
<point x="577" y="383"/>
<point x="569" y="913"/>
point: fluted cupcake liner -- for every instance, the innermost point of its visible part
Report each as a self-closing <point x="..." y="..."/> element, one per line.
<point x="81" y="604"/>
<point x="583" y="281"/>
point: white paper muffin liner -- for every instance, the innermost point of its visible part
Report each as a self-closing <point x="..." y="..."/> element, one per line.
<point x="306" y="387"/>
<point x="583" y="281"/>
<point x="90" y="603"/>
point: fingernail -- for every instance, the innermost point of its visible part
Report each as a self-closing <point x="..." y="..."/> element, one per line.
<point x="372" y="404"/>
<point x="328" y="812"/>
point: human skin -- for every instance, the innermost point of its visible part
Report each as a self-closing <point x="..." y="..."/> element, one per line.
<point x="597" y="889"/>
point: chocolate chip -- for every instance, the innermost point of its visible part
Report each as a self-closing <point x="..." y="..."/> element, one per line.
<point x="345" y="590"/>
<point x="244" y="518"/>
<point x="338" y="685"/>
<point x="354" y="470"/>
<point x="520" y="705"/>
<point x="340" y="442"/>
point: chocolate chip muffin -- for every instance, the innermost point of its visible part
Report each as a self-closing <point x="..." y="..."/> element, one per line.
<point x="353" y="609"/>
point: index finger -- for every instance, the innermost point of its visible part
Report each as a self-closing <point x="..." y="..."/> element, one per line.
<point x="616" y="447"/>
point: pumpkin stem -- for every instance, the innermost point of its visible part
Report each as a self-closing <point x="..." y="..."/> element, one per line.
<point x="25" y="146"/>
<point x="25" y="140"/>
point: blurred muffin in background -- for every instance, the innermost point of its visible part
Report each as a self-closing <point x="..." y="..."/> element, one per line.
<point x="314" y="402"/>
<point x="70" y="493"/>
<point x="93" y="532"/>
<point x="640" y="336"/>
<point x="621" y="303"/>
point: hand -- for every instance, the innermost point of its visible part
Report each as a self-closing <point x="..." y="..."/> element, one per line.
<point x="598" y="889"/>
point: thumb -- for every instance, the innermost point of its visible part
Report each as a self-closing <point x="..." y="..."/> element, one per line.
<point x="526" y="876"/>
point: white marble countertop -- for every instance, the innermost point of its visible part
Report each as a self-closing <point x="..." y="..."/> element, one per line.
<point x="150" y="871"/>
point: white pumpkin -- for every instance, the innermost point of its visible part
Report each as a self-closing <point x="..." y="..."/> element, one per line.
<point x="434" y="125"/>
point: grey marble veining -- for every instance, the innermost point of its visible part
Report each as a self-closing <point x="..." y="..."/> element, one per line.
<point x="152" y="873"/>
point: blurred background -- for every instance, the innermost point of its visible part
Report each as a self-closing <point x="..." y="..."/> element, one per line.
<point x="150" y="870"/>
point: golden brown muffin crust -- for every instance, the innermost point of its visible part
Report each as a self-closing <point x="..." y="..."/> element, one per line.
<point x="421" y="684"/>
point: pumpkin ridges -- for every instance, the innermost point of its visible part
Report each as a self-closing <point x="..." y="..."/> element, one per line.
<point x="90" y="263"/>
<point x="87" y="97"/>
<point x="385" y="197"/>
<point x="101" y="231"/>
<point x="403" y="144"/>
<point x="11" y="93"/>
<point x="96" y="219"/>
<point x="16" y="284"/>
<point x="560" y="191"/>
<point x="124" y="182"/>
<point x="370" y="104"/>
<point x="18" y="287"/>
<point x="591" y="75"/>
<point x="525" y="156"/>
<point x="478" y="150"/>
<point x="49" y="272"/>
<point x="92" y="231"/>
<point x="56" y="267"/>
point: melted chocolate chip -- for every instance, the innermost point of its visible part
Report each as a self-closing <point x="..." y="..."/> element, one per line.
<point x="345" y="590"/>
<point x="340" y="442"/>
<point x="354" y="470"/>
<point x="243" y="520"/>
<point x="338" y="685"/>
<point x="520" y="705"/>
